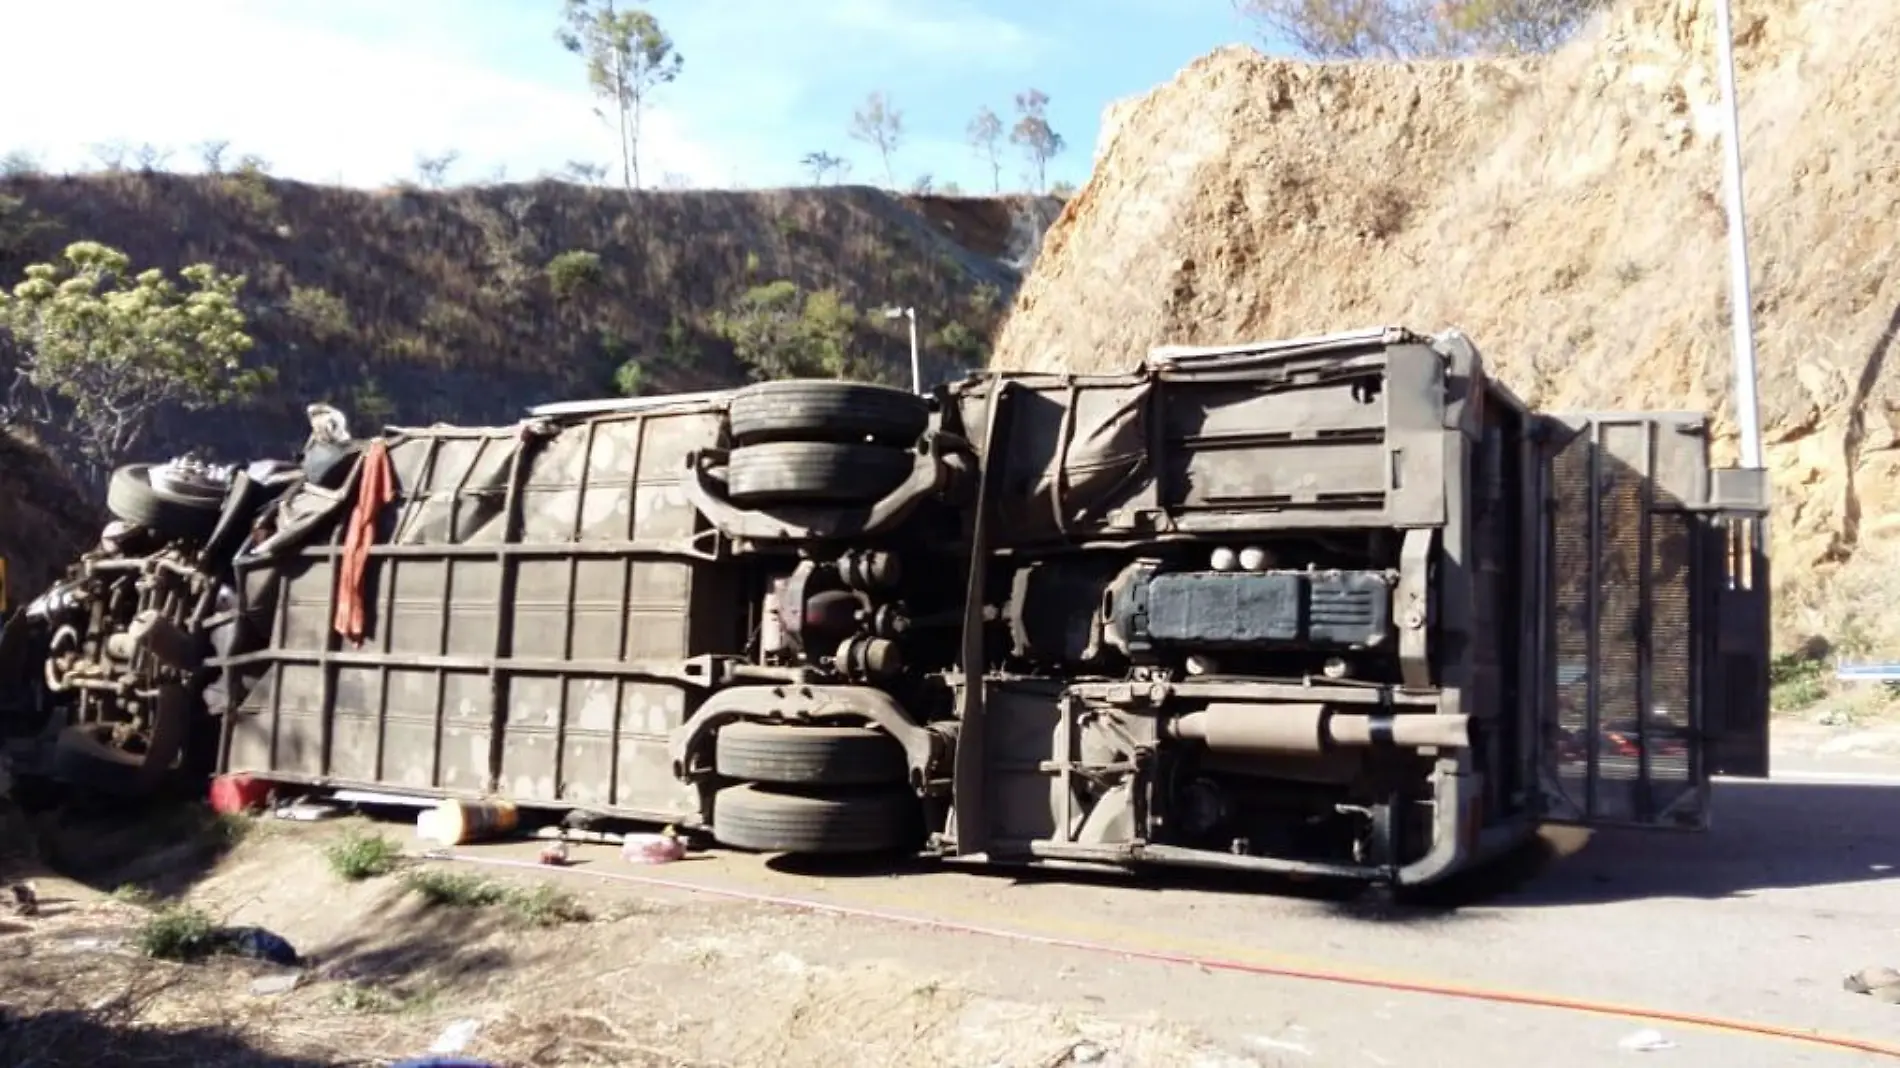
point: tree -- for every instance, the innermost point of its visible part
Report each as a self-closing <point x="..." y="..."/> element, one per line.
<point x="1408" y="29"/>
<point x="434" y="170"/>
<point x="574" y="271"/>
<point x="628" y="57"/>
<point x="986" y="136"/>
<point x="111" y="154"/>
<point x="779" y="331"/>
<point x="151" y="157"/>
<point x="19" y="163"/>
<point x="99" y="350"/>
<point x="586" y="173"/>
<point x="881" y="126"/>
<point x="1513" y="26"/>
<point x="821" y="164"/>
<point x="212" y="154"/>
<point x="1033" y="134"/>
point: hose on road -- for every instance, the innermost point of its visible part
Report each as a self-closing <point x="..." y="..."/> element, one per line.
<point x="1309" y="973"/>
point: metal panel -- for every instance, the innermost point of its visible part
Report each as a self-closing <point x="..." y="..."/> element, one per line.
<point x="1625" y="703"/>
<point x="1737" y="646"/>
<point x="532" y="606"/>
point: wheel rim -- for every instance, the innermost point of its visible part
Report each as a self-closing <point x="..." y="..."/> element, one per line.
<point x="187" y="475"/>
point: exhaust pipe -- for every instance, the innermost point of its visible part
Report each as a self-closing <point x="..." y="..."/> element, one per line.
<point x="1312" y="729"/>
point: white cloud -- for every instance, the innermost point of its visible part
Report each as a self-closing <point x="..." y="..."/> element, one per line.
<point x="320" y="101"/>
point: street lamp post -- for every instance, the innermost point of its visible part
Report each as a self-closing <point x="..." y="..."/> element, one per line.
<point x="916" y="364"/>
<point x="1741" y="301"/>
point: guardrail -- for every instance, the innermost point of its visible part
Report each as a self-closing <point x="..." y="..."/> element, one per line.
<point x="1867" y="672"/>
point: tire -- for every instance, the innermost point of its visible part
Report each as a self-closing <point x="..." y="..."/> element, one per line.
<point x="83" y="758"/>
<point x="130" y="496"/>
<point x="809" y="756"/>
<point x="814" y="472"/>
<point x="823" y="410"/>
<point x="764" y="820"/>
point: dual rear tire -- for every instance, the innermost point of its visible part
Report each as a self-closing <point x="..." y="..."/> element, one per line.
<point x="801" y="788"/>
<point x="813" y="441"/>
<point x="810" y="789"/>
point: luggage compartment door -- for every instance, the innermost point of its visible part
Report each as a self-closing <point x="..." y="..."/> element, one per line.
<point x="1638" y="578"/>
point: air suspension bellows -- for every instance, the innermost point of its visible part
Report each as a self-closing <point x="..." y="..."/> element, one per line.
<point x="1313" y="728"/>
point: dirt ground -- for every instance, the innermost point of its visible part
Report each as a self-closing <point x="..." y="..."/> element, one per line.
<point x="735" y="960"/>
<point x="585" y="974"/>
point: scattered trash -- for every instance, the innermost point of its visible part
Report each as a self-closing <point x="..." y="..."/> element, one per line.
<point x="575" y="834"/>
<point x="97" y="945"/>
<point x="554" y="854"/>
<point x="306" y="812"/>
<point x="1871" y="980"/>
<point x="255" y="943"/>
<point x="441" y="1062"/>
<point x="663" y="848"/>
<point x="269" y="985"/>
<point x="26" y="900"/>
<point x="1648" y="1040"/>
<point x="454" y="823"/>
<point x="1086" y="1053"/>
<point x="455" y="1037"/>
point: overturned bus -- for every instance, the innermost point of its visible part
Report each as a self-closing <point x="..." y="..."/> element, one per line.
<point x="1333" y="606"/>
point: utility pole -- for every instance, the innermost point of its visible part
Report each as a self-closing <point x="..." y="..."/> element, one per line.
<point x="1741" y="297"/>
<point x="916" y="363"/>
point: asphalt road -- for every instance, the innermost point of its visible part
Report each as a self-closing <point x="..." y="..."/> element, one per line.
<point x="1758" y="919"/>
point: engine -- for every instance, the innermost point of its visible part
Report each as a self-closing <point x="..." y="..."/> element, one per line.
<point x="842" y="617"/>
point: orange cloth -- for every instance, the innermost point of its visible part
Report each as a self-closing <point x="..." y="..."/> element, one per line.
<point x="375" y="487"/>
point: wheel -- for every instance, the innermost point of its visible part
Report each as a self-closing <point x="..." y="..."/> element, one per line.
<point x="767" y="820"/>
<point x="814" y="472"/>
<point x="180" y="512"/>
<point x="85" y="756"/>
<point x="823" y="410"/>
<point x="809" y="756"/>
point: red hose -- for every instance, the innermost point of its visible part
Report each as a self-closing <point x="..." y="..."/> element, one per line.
<point x="1323" y="975"/>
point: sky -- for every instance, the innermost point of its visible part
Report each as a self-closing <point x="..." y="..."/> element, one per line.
<point x="353" y="92"/>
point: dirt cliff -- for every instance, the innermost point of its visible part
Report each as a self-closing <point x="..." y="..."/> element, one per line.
<point x="44" y="519"/>
<point x="1565" y="212"/>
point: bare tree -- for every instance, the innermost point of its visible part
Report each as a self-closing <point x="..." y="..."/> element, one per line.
<point x="821" y="164"/>
<point x="986" y="136"/>
<point x="151" y="157"/>
<point x="1033" y="134"/>
<point x="211" y="153"/>
<point x="111" y="154"/>
<point x="584" y="172"/>
<point x="881" y="126"/>
<point x="434" y="170"/>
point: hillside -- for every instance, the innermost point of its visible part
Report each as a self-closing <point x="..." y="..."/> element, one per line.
<point x="44" y="519"/>
<point x="1566" y="213"/>
<point x="406" y="305"/>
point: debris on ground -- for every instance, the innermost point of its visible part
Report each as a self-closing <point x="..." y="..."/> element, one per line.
<point x="1648" y="1040"/>
<point x="663" y="848"/>
<point x="1880" y="983"/>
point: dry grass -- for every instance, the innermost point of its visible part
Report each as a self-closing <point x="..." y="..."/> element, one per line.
<point x="442" y="303"/>
<point x="648" y="982"/>
<point x="1565" y="214"/>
